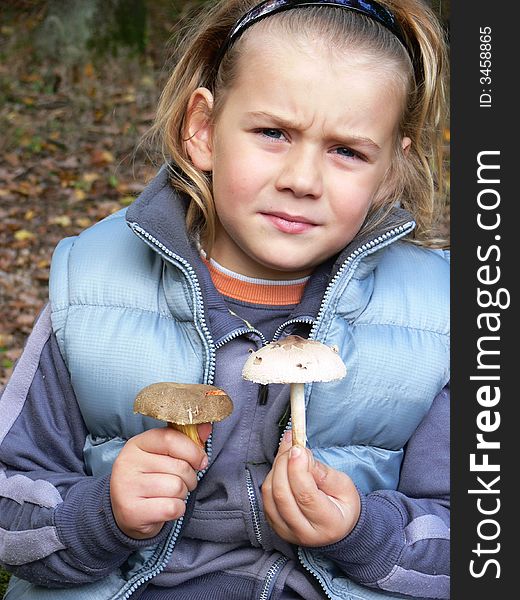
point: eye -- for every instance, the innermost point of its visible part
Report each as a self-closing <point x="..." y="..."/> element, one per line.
<point x="346" y="152"/>
<point x="273" y="134"/>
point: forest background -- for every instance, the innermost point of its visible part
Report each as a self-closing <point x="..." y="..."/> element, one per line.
<point x="79" y="82"/>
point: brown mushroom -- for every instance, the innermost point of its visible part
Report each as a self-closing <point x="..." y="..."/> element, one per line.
<point x="295" y="360"/>
<point x="184" y="405"/>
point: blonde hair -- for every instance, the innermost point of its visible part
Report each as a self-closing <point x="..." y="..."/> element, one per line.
<point x="415" y="181"/>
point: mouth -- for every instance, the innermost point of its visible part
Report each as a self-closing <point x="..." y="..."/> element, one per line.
<point x="289" y="223"/>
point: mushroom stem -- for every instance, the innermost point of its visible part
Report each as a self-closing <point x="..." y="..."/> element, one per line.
<point x="299" y="436"/>
<point x="190" y="430"/>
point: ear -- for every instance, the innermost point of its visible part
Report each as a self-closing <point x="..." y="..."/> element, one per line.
<point x="406" y="142"/>
<point x="198" y="134"/>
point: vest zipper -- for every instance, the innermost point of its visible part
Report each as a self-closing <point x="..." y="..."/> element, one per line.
<point x="315" y="574"/>
<point x="271" y="576"/>
<point x="198" y="304"/>
<point x="378" y="242"/>
<point x="382" y="240"/>
<point x="163" y="554"/>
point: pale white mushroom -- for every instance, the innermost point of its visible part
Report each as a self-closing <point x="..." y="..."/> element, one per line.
<point x="295" y="360"/>
<point x="184" y="405"/>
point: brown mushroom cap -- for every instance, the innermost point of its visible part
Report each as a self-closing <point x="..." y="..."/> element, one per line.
<point x="183" y="403"/>
<point x="294" y="360"/>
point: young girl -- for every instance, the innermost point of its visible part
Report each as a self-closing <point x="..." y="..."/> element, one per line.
<point x="302" y="143"/>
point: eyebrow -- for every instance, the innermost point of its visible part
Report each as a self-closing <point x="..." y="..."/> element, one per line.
<point x="348" y="139"/>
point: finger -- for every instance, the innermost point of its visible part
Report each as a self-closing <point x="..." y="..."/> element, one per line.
<point x="272" y="515"/>
<point x="322" y="486"/>
<point x="282" y="494"/>
<point x="304" y="489"/>
<point x="204" y="430"/>
<point x="279" y="526"/>
<point x="163" y="486"/>
<point x="157" y="464"/>
<point x="333" y="483"/>
<point x="159" y="510"/>
<point x="167" y="509"/>
<point x="170" y="442"/>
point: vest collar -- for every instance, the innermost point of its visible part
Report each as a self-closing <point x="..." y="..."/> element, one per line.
<point x="161" y="211"/>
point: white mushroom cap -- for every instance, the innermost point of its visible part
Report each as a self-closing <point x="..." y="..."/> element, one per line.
<point x="294" y="360"/>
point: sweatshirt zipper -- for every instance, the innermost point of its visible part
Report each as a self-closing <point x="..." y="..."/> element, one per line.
<point x="237" y="333"/>
<point x="278" y="332"/>
<point x="253" y="504"/>
<point x="163" y="555"/>
<point x="276" y="567"/>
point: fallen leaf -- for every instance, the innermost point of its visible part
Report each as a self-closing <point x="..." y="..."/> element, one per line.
<point x="79" y="195"/>
<point x="25" y="320"/>
<point x="89" y="70"/>
<point x="83" y="222"/>
<point x="90" y="177"/>
<point x="12" y="158"/>
<point x="6" y="339"/>
<point x="101" y="157"/>
<point x="61" y="220"/>
<point x="23" y="234"/>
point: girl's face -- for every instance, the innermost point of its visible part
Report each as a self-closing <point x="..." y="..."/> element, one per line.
<point x="297" y="152"/>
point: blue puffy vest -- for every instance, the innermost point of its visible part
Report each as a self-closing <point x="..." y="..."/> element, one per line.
<point x="127" y="311"/>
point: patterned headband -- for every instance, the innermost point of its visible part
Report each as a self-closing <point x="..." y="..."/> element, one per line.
<point x="371" y="9"/>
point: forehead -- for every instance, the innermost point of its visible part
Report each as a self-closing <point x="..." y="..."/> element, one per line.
<point x="311" y="80"/>
<point x="276" y="44"/>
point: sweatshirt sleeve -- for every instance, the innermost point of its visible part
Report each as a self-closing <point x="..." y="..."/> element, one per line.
<point x="401" y="543"/>
<point x="56" y="522"/>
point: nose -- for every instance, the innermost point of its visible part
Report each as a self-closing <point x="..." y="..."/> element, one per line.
<point x="300" y="173"/>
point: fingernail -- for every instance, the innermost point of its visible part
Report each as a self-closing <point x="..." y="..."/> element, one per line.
<point x="287" y="437"/>
<point x="203" y="464"/>
<point x="295" y="452"/>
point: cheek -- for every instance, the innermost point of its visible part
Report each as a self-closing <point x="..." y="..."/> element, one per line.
<point x="230" y="189"/>
<point x="353" y="205"/>
<point x="236" y="182"/>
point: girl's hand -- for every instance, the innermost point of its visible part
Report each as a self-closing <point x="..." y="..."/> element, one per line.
<point x="306" y="502"/>
<point x="151" y="478"/>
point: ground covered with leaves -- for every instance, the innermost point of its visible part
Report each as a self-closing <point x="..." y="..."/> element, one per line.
<point x="67" y="154"/>
<point x="70" y="125"/>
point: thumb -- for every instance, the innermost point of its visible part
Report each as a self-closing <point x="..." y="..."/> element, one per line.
<point x="286" y="442"/>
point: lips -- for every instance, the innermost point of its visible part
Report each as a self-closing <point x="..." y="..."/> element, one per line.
<point x="289" y="223"/>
